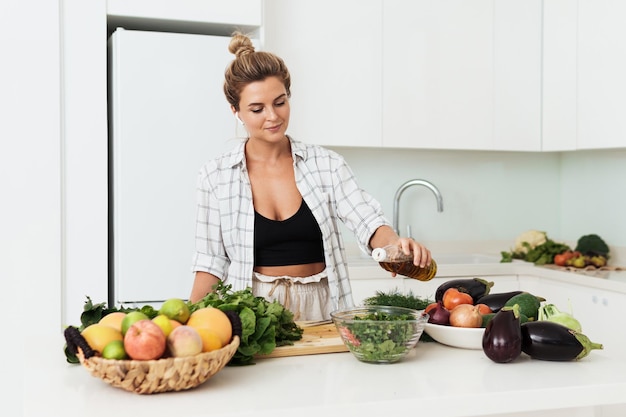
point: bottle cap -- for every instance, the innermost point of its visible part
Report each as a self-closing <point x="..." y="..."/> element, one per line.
<point x="379" y="254"/>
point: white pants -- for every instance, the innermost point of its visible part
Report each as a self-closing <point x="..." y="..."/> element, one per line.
<point x="308" y="298"/>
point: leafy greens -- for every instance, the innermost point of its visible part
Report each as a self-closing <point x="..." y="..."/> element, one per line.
<point x="265" y="325"/>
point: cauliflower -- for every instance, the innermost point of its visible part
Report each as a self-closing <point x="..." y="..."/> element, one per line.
<point x="529" y="240"/>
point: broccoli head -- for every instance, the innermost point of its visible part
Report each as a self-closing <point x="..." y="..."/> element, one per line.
<point x="592" y="245"/>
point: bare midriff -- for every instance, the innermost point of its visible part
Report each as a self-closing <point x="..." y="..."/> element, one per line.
<point x="305" y="270"/>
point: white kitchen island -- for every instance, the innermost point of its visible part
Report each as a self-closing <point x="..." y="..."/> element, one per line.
<point x="433" y="380"/>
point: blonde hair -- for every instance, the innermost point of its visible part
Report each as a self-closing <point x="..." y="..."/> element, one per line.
<point x="250" y="66"/>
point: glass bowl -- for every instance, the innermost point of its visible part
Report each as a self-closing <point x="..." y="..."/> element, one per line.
<point x="379" y="334"/>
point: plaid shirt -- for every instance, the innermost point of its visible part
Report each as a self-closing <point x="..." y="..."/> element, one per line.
<point x="225" y="215"/>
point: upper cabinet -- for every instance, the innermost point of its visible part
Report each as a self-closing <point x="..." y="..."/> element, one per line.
<point x="186" y="15"/>
<point x="559" y="75"/>
<point x="601" y="74"/>
<point x="333" y="52"/>
<point x="461" y="74"/>
<point x="584" y="62"/>
<point x="505" y="75"/>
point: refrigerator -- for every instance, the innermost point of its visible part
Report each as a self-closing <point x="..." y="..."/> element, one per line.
<point x="168" y="116"/>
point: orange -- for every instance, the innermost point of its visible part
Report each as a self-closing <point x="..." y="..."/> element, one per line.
<point x="175" y="323"/>
<point x="113" y="319"/>
<point x="213" y="319"/>
<point x="210" y="340"/>
<point x="99" y="335"/>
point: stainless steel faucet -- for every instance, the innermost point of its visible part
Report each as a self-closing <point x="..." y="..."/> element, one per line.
<point x="410" y="183"/>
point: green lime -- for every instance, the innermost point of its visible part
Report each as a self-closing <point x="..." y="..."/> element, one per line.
<point x="131" y="318"/>
<point x="175" y="309"/>
<point x="114" y="350"/>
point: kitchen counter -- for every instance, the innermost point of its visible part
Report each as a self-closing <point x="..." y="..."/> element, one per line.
<point x="433" y="380"/>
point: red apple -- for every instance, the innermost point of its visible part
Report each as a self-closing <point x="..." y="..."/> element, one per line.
<point x="144" y="340"/>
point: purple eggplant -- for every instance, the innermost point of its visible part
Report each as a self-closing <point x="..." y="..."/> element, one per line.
<point x="502" y="340"/>
<point x="496" y="301"/>
<point x="549" y="341"/>
<point x="476" y="287"/>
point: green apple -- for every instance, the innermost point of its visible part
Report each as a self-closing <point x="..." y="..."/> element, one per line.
<point x="131" y="318"/>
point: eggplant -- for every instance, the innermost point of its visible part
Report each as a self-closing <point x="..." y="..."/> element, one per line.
<point x="497" y="300"/>
<point x="476" y="287"/>
<point x="502" y="340"/>
<point x="550" y="341"/>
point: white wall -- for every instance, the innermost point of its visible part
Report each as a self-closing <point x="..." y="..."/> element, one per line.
<point x="593" y="195"/>
<point x="30" y="164"/>
<point x="494" y="196"/>
<point x="497" y="195"/>
<point x="487" y="195"/>
<point x="30" y="161"/>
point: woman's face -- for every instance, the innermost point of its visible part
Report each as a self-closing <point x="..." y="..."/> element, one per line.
<point x="264" y="110"/>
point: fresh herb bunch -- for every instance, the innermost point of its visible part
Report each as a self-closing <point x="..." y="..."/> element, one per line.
<point x="265" y="325"/>
<point x="380" y="341"/>
<point x="395" y="298"/>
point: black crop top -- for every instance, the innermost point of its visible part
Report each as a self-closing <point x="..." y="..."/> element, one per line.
<point x="293" y="241"/>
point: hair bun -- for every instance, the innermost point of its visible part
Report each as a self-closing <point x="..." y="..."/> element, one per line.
<point x="240" y="45"/>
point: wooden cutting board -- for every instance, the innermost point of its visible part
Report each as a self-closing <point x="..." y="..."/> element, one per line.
<point x="315" y="340"/>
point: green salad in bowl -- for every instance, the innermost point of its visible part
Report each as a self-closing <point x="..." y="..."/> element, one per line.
<point x="380" y="334"/>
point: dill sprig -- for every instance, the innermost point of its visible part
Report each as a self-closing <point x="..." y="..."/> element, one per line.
<point x="397" y="299"/>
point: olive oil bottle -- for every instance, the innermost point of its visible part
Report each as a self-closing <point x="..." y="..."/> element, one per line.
<point x="392" y="259"/>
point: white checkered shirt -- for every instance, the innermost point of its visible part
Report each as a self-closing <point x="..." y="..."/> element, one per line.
<point x="225" y="215"/>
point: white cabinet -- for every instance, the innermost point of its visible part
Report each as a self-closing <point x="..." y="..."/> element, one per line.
<point x="333" y="52"/>
<point x="559" y="75"/>
<point x="192" y="14"/>
<point x="593" y="307"/>
<point x="601" y="69"/>
<point x="462" y="74"/>
<point x="584" y="61"/>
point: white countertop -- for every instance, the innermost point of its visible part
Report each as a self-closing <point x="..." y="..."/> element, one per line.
<point x="361" y="267"/>
<point x="433" y="380"/>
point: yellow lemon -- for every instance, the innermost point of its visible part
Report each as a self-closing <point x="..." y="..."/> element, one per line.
<point x="164" y="323"/>
<point x="99" y="335"/>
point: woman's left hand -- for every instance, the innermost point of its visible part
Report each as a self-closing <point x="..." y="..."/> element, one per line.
<point x="421" y="254"/>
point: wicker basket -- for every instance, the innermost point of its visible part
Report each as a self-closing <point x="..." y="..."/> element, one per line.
<point x="160" y="375"/>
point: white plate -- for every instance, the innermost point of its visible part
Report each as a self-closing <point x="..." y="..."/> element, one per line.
<point x="460" y="337"/>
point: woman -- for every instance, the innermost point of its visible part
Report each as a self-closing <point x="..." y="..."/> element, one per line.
<point x="268" y="211"/>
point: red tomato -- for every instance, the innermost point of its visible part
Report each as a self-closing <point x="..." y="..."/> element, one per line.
<point x="484" y="309"/>
<point x="562" y="258"/>
<point x="453" y="297"/>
